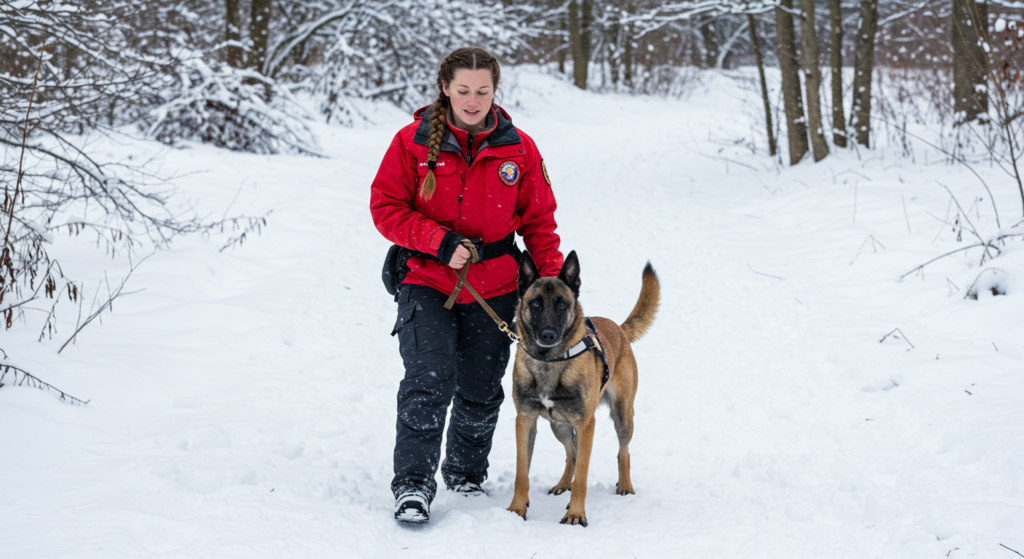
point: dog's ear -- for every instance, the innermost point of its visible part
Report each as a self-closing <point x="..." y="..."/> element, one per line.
<point x="527" y="273"/>
<point x="570" y="273"/>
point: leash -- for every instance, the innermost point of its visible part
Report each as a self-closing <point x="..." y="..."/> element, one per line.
<point x="590" y="341"/>
<point x="475" y="257"/>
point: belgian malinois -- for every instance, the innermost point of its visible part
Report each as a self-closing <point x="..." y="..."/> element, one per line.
<point x="547" y="381"/>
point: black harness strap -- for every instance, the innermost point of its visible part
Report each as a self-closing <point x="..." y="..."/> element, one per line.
<point x="594" y="343"/>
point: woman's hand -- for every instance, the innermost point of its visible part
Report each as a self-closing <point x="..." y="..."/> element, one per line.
<point x="453" y="250"/>
<point x="459" y="258"/>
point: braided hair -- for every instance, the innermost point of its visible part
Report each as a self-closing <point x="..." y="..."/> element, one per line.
<point x="460" y="59"/>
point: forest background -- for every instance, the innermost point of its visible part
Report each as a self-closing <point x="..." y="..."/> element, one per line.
<point x="229" y="74"/>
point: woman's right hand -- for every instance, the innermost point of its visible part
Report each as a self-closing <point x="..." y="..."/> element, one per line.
<point x="453" y="250"/>
<point x="459" y="258"/>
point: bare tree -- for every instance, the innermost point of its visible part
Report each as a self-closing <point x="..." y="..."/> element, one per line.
<point x="813" y="80"/>
<point x="863" y="68"/>
<point x="970" y="62"/>
<point x="836" y="63"/>
<point x="259" y="34"/>
<point x="233" y="34"/>
<point x="580" y="61"/>
<point x="795" y="122"/>
<point x="764" y="85"/>
<point x="707" y="33"/>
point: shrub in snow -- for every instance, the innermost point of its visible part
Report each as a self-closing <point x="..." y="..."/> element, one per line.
<point x="227" y="107"/>
<point x="994" y="282"/>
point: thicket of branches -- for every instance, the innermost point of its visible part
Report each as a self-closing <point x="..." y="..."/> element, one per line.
<point x="70" y="72"/>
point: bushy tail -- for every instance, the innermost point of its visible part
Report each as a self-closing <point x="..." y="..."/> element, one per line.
<point x="646" y="307"/>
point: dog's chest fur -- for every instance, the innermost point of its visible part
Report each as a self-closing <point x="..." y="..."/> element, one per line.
<point x="548" y="389"/>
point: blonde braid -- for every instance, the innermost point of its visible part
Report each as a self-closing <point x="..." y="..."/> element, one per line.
<point x="438" y="123"/>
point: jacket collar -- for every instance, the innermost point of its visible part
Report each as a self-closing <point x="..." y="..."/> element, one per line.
<point x="504" y="132"/>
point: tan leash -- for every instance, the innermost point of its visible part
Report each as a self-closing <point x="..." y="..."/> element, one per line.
<point x="475" y="257"/>
<point x="590" y="341"/>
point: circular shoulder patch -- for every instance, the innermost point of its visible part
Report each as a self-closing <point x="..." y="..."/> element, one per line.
<point x="508" y="172"/>
<point x="544" y="168"/>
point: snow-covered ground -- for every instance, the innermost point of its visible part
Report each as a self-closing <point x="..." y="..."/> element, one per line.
<point x="242" y="404"/>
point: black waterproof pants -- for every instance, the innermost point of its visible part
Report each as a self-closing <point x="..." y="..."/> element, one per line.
<point x="453" y="356"/>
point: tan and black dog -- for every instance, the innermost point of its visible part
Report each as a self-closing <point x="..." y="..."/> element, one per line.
<point x="559" y="375"/>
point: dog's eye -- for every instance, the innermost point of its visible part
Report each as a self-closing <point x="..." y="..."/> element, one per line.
<point x="534" y="304"/>
<point x="561" y="305"/>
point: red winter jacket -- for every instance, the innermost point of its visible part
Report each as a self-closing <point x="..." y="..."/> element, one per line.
<point x="502" y="188"/>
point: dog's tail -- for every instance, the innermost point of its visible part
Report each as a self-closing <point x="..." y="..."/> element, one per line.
<point x="646" y="307"/>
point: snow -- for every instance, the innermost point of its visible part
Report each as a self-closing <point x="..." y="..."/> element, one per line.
<point x="242" y="403"/>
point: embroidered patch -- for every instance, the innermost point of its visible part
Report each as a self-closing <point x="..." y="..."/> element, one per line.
<point x="508" y="172"/>
<point x="544" y="168"/>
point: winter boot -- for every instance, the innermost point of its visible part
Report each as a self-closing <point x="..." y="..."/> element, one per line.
<point x="468" y="489"/>
<point x="412" y="507"/>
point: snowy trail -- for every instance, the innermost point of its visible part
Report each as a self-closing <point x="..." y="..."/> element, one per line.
<point x="243" y="405"/>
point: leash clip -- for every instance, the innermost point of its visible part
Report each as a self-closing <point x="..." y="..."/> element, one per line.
<point x="511" y="335"/>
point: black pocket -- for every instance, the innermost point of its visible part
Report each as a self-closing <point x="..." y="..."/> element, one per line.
<point x="405" y="312"/>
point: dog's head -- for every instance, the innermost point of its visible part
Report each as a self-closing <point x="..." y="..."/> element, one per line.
<point x="548" y="307"/>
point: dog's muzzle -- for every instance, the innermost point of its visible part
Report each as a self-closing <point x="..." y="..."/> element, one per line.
<point x="547" y="337"/>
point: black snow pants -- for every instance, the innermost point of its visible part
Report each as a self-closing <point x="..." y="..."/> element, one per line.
<point x="456" y="356"/>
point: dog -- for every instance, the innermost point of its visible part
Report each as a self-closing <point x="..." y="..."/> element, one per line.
<point x="567" y="390"/>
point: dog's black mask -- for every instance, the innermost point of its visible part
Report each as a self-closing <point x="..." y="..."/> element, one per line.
<point x="550" y="303"/>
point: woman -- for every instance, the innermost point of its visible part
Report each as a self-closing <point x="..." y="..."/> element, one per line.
<point x="460" y="172"/>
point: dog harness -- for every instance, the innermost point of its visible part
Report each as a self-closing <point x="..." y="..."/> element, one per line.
<point x="589" y="342"/>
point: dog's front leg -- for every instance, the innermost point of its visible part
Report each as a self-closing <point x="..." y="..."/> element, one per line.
<point x="526" y="434"/>
<point x="585" y="443"/>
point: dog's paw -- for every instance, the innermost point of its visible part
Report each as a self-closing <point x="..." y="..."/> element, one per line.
<point x="559" y="489"/>
<point x="520" y="510"/>
<point x="575" y="519"/>
<point x="624" y="490"/>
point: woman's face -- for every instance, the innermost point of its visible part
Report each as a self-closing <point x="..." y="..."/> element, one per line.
<point x="471" y="93"/>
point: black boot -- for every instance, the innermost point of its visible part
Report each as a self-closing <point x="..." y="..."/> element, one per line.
<point x="412" y="507"/>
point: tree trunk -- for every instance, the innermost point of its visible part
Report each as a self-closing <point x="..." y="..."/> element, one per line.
<point x="628" y="62"/>
<point x="863" y="68"/>
<point x="615" y="52"/>
<point x="970" y="64"/>
<point x="707" y="32"/>
<point x="586" y="23"/>
<point x="764" y="85"/>
<point x="836" y="56"/>
<point x="233" y="34"/>
<point x="796" y="127"/>
<point x="812" y="80"/>
<point x="259" y="27"/>
<point x="561" y="52"/>
<point x="579" y="61"/>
